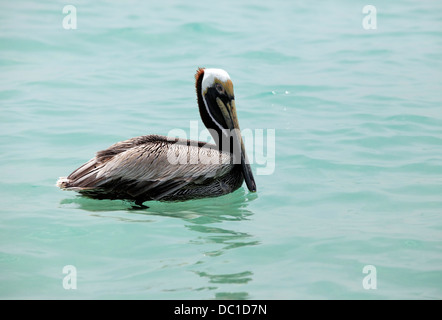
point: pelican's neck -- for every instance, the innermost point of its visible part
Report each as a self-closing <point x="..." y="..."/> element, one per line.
<point x="208" y="121"/>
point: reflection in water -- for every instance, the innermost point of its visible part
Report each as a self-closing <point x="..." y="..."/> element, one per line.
<point x="229" y="278"/>
<point x="231" y="239"/>
<point x="200" y="217"/>
<point x="231" y="296"/>
<point x="241" y="277"/>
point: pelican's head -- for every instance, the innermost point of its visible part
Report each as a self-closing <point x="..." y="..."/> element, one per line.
<point x="216" y="101"/>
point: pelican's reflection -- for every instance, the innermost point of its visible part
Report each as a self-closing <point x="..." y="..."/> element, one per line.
<point x="215" y="228"/>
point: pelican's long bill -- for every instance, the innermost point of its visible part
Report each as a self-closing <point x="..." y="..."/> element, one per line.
<point x="228" y="111"/>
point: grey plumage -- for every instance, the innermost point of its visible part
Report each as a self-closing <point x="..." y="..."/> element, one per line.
<point x="145" y="168"/>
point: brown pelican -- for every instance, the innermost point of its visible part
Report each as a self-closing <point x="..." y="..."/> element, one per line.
<point x="156" y="167"/>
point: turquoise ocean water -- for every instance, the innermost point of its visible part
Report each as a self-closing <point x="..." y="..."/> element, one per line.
<point x="357" y="178"/>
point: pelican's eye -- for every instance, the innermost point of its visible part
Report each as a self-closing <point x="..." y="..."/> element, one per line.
<point x="219" y="88"/>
